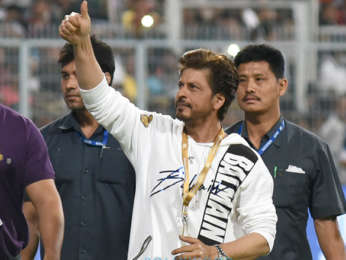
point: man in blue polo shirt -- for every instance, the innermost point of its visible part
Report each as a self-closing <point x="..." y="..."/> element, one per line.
<point x="94" y="178"/>
<point x="300" y="163"/>
<point x="24" y="165"/>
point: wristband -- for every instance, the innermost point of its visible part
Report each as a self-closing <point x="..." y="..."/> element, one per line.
<point x="221" y="255"/>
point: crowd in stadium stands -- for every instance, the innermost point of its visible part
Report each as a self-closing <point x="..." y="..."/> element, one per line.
<point x="39" y="18"/>
<point x="249" y="24"/>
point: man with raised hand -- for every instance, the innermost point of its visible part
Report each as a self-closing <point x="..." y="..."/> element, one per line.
<point x="199" y="192"/>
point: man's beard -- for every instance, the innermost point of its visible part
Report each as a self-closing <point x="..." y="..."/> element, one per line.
<point x="76" y="108"/>
<point x="182" y="117"/>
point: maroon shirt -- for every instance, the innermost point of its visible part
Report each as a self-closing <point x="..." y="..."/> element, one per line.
<point x="23" y="160"/>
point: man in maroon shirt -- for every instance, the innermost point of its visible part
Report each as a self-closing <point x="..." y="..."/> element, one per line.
<point x="25" y="166"/>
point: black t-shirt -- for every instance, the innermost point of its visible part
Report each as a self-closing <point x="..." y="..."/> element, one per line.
<point x="304" y="178"/>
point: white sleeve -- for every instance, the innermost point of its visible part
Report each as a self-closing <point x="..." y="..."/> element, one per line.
<point x="123" y="119"/>
<point x="256" y="209"/>
<point x="109" y="108"/>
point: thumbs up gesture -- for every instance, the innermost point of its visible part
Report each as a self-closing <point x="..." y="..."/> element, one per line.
<point x="76" y="27"/>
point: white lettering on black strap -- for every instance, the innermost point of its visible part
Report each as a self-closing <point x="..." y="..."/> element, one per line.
<point x="0" y="222"/>
<point x="232" y="171"/>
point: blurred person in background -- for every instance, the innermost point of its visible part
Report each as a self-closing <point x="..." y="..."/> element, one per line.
<point x="95" y="180"/>
<point x="129" y="83"/>
<point x="332" y="12"/>
<point x="224" y="209"/>
<point x="9" y="95"/>
<point x="25" y="166"/>
<point x="329" y="14"/>
<point x="332" y="73"/>
<point x="333" y="131"/>
<point x="42" y="18"/>
<point x="301" y="164"/>
<point x="268" y="19"/>
<point x="14" y="24"/>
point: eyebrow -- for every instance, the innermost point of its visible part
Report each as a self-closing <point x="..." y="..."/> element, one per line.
<point x="246" y="75"/>
<point x="189" y="82"/>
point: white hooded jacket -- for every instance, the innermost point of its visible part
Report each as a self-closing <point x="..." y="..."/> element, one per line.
<point x="235" y="199"/>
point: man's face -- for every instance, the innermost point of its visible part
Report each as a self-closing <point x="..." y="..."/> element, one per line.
<point x="259" y="90"/>
<point x="194" y="99"/>
<point x="70" y="87"/>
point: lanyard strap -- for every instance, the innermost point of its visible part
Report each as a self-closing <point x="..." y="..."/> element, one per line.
<point x="187" y="193"/>
<point x="271" y="139"/>
<point x="95" y="143"/>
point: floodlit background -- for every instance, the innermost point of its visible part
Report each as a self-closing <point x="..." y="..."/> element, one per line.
<point x="149" y="35"/>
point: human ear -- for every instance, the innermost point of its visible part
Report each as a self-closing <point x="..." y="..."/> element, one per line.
<point x="283" y="86"/>
<point x="218" y="101"/>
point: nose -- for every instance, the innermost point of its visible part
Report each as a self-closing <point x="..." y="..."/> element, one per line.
<point x="71" y="83"/>
<point x="181" y="92"/>
<point x="250" y="86"/>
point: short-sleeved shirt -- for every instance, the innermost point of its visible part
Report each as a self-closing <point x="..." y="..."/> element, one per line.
<point x="304" y="178"/>
<point x="23" y="160"/>
<point x="96" y="188"/>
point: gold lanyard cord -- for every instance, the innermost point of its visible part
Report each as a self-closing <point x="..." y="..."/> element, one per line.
<point x="187" y="193"/>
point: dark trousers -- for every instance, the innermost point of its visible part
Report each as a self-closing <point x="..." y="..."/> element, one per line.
<point x="15" y="258"/>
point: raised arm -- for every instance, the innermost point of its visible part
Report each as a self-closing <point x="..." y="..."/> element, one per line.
<point x="114" y="112"/>
<point x="75" y="29"/>
<point x="46" y="200"/>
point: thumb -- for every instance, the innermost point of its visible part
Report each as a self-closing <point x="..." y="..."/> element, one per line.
<point x="84" y="9"/>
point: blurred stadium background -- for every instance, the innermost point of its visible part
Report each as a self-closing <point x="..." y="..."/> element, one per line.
<point x="149" y="35"/>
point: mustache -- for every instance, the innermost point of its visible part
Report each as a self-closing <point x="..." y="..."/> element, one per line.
<point x="181" y="102"/>
<point x="250" y="96"/>
<point x="72" y="94"/>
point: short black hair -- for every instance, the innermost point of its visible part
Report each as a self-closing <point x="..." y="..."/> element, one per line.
<point x="262" y="52"/>
<point x="103" y="53"/>
<point x="223" y="77"/>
